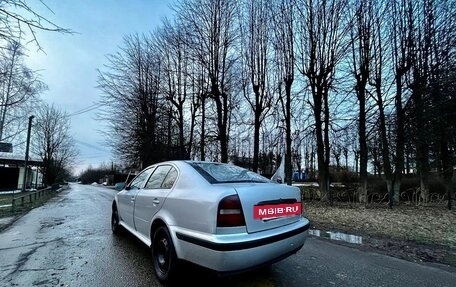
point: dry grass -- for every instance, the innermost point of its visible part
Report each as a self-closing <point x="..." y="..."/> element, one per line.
<point x="431" y="225"/>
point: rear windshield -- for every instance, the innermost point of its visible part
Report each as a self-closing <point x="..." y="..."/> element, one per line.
<point x="226" y="173"/>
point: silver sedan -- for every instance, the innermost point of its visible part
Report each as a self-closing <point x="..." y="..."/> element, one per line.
<point x="218" y="216"/>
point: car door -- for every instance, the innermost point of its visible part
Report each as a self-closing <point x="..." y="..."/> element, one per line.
<point x="150" y="199"/>
<point x="126" y="198"/>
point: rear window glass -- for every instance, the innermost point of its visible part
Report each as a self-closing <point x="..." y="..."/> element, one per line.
<point x="226" y="173"/>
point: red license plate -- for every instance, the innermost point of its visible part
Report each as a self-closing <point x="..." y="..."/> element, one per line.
<point x="276" y="210"/>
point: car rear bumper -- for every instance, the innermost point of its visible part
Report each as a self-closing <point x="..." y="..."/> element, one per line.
<point x="237" y="252"/>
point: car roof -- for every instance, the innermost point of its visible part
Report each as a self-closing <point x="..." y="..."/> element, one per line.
<point x="185" y="161"/>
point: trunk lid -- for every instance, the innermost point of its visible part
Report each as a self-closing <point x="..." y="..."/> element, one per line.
<point x="265" y="204"/>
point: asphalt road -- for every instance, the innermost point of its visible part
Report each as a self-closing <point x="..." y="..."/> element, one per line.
<point x="68" y="242"/>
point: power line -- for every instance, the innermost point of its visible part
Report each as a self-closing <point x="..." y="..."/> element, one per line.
<point x="91" y="145"/>
<point x="85" y="110"/>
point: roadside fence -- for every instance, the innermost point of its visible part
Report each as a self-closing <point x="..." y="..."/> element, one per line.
<point x="12" y="204"/>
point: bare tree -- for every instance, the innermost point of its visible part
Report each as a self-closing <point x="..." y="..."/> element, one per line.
<point x="433" y="39"/>
<point x="380" y="83"/>
<point x="323" y="33"/>
<point x="18" y="87"/>
<point x="401" y="42"/>
<point x="211" y="30"/>
<point x="444" y="84"/>
<point x="361" y="49"/>
<point x="256" y="42"/>
<point x="418" y="82"/>
<point x="441" y="40"/>
<point x="283" y="17"/>
<point x="368" y="61"/>
<point x="17" y="18"/>
<point x="53" y="143"/>
<point x="130" y="82"/>
<point x="169" y="42"/>
<point x="199" y="92"/>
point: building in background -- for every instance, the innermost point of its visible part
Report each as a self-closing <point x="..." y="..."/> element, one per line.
<point x="12" y="170"/>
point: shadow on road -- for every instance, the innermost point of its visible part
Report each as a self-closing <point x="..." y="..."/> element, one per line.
<point x="191" y="274"/>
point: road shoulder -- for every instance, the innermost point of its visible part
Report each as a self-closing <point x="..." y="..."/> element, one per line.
<point x="434" y="255"/>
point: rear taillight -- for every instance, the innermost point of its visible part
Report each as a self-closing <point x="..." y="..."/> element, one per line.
<point x="230" y="213"/>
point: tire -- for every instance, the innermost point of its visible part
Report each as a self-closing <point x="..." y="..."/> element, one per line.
<point x="115" y="226"/>
<point x="165" y="261"/>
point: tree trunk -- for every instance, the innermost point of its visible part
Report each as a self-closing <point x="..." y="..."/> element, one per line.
<point x="362" y="147"/>
<point x="384" y="140"/>
<point x="203" y="128"/>
<point x="182" y="153"/>
<point x="327" y="146"/>
<point x="422" y="148"/>
<point x="192" y="133"/>
<point x="320" y="149"/>
<point x="288" y="164"/>
<point x="221" y="103"/>
<point x="446" y="159"/>
<point x="225" y="137"/>
<point x="256" y="135"/>
<point x="400" y="141"/>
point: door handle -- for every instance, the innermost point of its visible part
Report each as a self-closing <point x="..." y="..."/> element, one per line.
<point x="156" y="201"/>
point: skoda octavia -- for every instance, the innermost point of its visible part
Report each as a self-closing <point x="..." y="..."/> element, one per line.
<point x="216" y="215"/>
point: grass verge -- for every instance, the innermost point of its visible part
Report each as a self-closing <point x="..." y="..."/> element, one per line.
<point x="419" y="233"/>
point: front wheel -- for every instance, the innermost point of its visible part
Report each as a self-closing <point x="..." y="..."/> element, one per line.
<point x="163" y="255"/>
<point x="115" y="226"/>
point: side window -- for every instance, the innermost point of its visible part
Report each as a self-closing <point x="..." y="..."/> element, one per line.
<point x="155" y="181"/>
<point x="170" y="178"/>
<point x="139" y="180"/>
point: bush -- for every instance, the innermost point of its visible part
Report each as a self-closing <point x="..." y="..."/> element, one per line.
<point x="93" y="175"/>
<point x="436" y="184"/>
<point x="344" y="176"/>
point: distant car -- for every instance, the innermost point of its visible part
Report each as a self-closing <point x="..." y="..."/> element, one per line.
<point x="216" y="215"/>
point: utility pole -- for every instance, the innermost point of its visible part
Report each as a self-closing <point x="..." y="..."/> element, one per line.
<point x="27" y="152"/>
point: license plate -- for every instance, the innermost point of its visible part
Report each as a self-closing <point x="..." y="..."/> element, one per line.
<point x="276" y="210"/>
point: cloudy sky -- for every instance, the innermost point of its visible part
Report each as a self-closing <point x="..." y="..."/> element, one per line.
<point x="69" y="63"/>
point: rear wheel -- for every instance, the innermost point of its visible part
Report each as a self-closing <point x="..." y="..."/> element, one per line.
<point x="164" y="255"/>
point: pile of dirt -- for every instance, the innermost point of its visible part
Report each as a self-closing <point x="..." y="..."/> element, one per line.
<point x="415" y="233"/>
